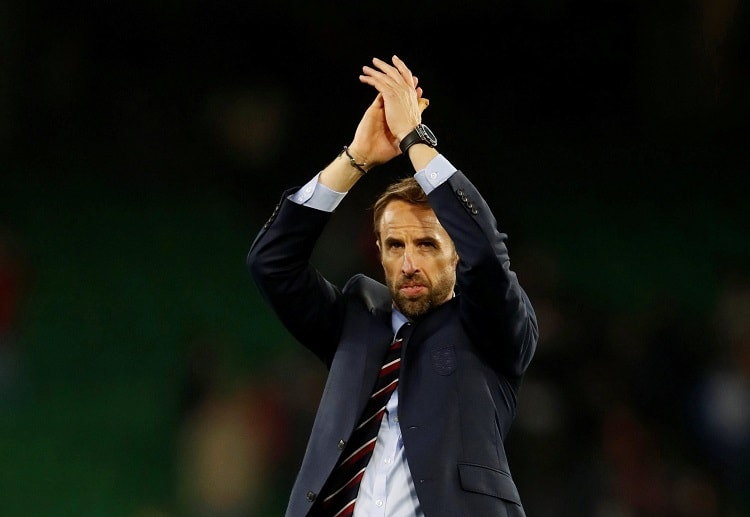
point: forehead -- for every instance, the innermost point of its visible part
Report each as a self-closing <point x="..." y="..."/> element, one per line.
<point x="400" y="216"/>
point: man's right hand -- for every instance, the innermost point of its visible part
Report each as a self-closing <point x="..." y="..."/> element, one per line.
<point x="398" y="87"/>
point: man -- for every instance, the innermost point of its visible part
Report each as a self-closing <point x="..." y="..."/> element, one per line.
<point x="466" y="329"/>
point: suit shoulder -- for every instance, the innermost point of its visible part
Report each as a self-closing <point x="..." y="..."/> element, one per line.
<point x="373" y="294"/>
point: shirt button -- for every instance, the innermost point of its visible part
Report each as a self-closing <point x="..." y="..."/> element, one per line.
<point x="378" y="503"/>
<point x="311" y="496"/>
<point x="433" y="175"/>
<point x="387" y="460"/>
<point x="395" y="419"/>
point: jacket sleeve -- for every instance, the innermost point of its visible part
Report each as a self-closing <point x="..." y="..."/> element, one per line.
<point x="494" y="308"/>
<point x="307" y="304"/>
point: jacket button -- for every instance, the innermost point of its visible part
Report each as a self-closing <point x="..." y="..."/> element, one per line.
<point x="341" y="445"/>
<point x="311" y="496"/>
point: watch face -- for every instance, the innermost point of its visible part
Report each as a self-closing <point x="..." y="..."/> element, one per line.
<point x="426" y="135"/>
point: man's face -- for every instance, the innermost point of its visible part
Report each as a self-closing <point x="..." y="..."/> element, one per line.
<point x="418" y="257"/>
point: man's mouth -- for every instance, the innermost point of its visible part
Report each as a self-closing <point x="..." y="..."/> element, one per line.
<point x="412" y="289"/>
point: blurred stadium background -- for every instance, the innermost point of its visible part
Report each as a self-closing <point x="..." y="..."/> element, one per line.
<point x="145" y="143"/>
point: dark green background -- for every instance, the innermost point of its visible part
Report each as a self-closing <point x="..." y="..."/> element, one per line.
<point x="608" y="136"/>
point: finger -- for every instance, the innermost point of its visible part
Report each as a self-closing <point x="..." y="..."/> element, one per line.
<point x="382" y="66"/>
<point x="372" y="77"/>
<point x="401" y="66"/>
<point x="392" y="72"/>
<point x="368" y="70"/>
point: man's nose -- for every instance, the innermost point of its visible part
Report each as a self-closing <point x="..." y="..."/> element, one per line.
<point x="408" y="266"/>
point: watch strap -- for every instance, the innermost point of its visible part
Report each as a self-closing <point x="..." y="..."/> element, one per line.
<point x="414" y="137"/>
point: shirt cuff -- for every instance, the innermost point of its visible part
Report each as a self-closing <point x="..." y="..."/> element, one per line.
<point x="435" y="174"/>
<point x="318" y="196"/>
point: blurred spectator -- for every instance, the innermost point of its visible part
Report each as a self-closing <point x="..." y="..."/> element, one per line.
<point x="607" y="395"/>
<point x="13" y="271"/>
<point x="241" y="435"/>
<point x="720" y="406"/>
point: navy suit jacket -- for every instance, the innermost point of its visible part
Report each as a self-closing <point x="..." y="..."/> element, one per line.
<point x="462" y="363"/>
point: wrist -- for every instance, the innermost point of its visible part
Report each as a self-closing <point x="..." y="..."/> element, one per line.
<point x="403" y="134"/>
<point x="355" y="159"/>
<point x="421" y="134"/>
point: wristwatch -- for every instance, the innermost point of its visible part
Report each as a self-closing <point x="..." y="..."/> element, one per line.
<point x="420" y="134"/>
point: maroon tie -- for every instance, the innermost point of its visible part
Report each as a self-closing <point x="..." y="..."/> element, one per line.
<point x="340" y="491"/>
